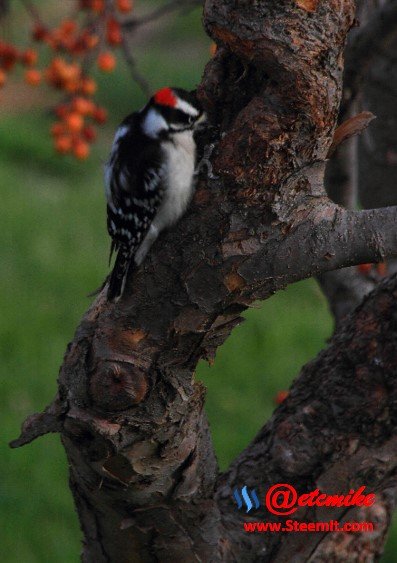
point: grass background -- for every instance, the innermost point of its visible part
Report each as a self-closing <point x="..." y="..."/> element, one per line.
<point x="54" y="252"/>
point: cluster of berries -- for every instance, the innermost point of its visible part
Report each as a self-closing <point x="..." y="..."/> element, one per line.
<point x="379" y="269"/>
<point x="72" y="45"/>
<point x="10" y="56"/>
<point x="75" y="129"/>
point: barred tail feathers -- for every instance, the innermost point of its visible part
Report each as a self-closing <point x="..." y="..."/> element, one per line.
<point x="119" y="273"/>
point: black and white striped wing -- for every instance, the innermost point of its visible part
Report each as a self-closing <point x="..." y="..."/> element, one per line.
<point x="135" y="183"/>
<point x="134" y="194"/>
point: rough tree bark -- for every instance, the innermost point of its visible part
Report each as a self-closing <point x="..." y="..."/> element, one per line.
<point x="142" y="467"/>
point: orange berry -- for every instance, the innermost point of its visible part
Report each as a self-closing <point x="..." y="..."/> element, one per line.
<point x="364" y="268"/>
<point x="83" y="106"/>
<point x="81" y="149"/>
<point x="74" y="122"/>
<point x="57" y="129"/>
<point x="3" y="78"/>
<point x="91" y="41"/>
<point x="381" y="268"/>
<point x="71" y="86"/>
<point x="56" y="35"/>
<point x="39" y="32"/>
<point x="9" y="57"/>
<point x="97" y="6"/>
<point x="63" y="75"/>
<point x="61" y="111"/>
<point x="68" y="27"/>
<point x="89" y="133"/>
<point x="67" y="44"/>
<point x="29" y="57"/>
<point x="280" y="397"/>
<point x="88" y="86"/>
<point x="106" y="62"/>
<point x="63" y="144"/>
<point x="124" y="6"/>
<point x="33" y="77"/>
<point x="52" y="43"/>
<point x="100" y="115"/>
<point x="85" y="42"/>
<point x="70" y="72"/>
<point x="113" y="32"/>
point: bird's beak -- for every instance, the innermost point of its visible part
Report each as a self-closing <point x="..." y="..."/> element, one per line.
<point x="201" y="120"/>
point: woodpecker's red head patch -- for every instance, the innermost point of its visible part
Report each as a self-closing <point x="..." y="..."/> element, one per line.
<point x="165" y="97"/>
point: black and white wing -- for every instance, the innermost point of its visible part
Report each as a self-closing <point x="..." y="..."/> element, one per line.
<point x="134" y="179"/>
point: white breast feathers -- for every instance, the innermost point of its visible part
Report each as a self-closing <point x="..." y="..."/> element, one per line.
<point x="180" y="162"/>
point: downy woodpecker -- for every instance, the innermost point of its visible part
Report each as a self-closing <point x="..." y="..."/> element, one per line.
<point x="149" y="177"/>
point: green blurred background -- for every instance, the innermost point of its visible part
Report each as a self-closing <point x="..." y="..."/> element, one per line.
<point x="54" y="252"/>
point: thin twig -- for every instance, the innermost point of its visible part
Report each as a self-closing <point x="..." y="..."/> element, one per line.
<point x="162" y="11"/>
<point x="132" y="24"/>
<point x="136" y="75"/>
<point x="32" y="10"/>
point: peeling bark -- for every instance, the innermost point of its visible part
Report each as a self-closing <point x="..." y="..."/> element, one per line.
<point x="142" y="467"/>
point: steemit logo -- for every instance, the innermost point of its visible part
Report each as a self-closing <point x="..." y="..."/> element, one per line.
<point x="250" y="498"/>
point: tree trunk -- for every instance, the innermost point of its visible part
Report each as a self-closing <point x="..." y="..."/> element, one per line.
<point x="142" y="467"/>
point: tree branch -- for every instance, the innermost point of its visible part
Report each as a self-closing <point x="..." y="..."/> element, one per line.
<point x="142" y="466"/>
<point x="344" y="289"/>
<point x="333" y="432"/>
<point x="368" y="42"/>
<point x="346" y="286"/>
